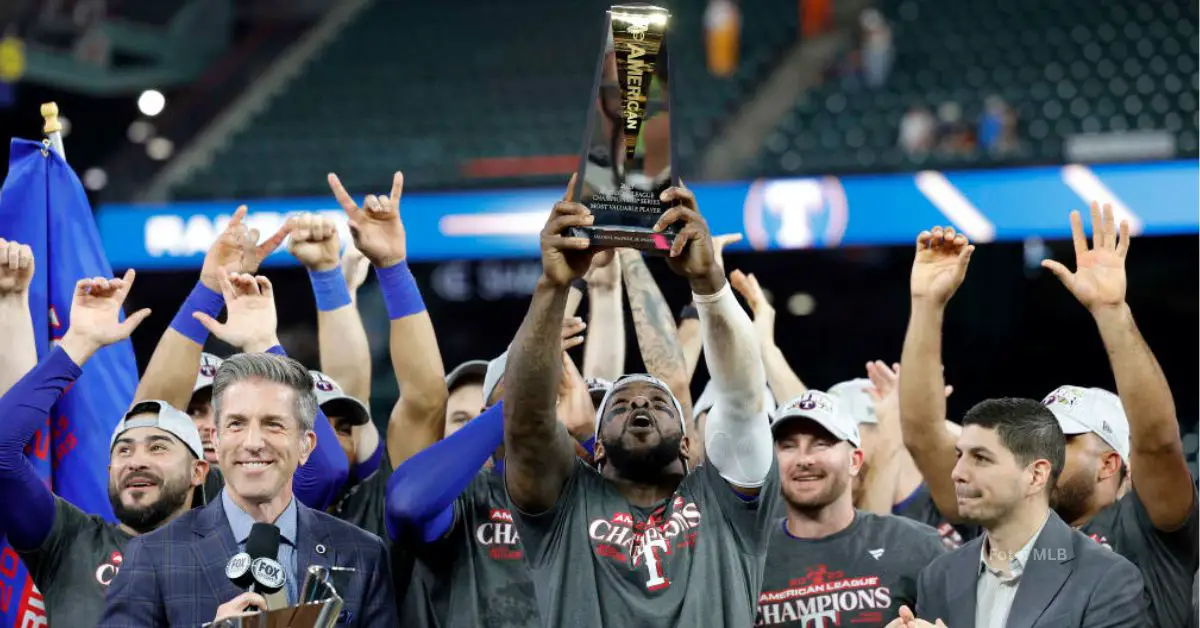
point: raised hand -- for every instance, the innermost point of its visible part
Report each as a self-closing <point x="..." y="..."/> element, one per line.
<point x="16" y="268"/>
<point x="250" y="319"/>
<point x="376" y="226"/>
<point x="575" y="409"/>
<point x="940" y="264"/>
<point x="760" y="307"/>
<point x="719" y="244"/>
<point x="566" y="258"/>
<point x="692" y="254"/>
<point x="314" y="241"/>
<point x="95" y="315"/>
<point x="237" y="250"/>
<point x="572" y="328"/>
<point x="354" y="267"/>
<point x="1099" y="279"/>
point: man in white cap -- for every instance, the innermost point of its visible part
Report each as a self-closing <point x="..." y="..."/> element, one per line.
<point x="825" y="547"/>
<point x="1156" y="524"/>
<point x="156" y="467"/>
<point x="889" y="482"/>
<point x="200" y="405"/>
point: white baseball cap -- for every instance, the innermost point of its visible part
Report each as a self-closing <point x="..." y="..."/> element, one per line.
<point x="166" y="418"/>
<point x="645" y="378"/>
<point x="854" y="399"/>
<point x="1081" y="410"/>
<point x="209" y="364"/>
<point x="333" y="400"/>
<point x="708" y="398"/>
<point x="821" y="408"/>
<point x="491" y="378"/>
<point x="471" y="371"/>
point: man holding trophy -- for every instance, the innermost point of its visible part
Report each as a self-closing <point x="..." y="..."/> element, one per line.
<point x="639" y="538"/>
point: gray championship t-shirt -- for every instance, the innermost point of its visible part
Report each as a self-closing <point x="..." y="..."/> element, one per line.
<point x="75" y="564"/>
<point x="695" y="559"/>
<point x="364" y="502"/>
<point x="1165" y="558"/>
<point x="859" y="576"/>
<point x="475" y="575"/>
<point x="920" y="507"/>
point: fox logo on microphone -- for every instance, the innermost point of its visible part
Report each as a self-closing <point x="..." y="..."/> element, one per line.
<point x="267" y="573"/>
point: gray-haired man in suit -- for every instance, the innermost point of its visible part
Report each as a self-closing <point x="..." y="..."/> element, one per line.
<point x="1030" y="570"/>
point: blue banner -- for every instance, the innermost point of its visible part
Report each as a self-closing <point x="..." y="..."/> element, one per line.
<point x="993" y="205"/>
<point x="44" y="205"/>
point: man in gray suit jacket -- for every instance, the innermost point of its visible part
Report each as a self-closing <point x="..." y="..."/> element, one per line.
<point x="1030" y="570"/>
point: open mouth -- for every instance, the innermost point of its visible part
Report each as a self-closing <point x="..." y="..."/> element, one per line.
<point x="808" y="478"/>
<point x="140" y="482"/>
<point x="641" y="420"/>
<point x="255" y="464"/>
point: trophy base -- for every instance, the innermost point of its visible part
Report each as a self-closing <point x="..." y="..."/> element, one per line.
<point x="641" y="239"/>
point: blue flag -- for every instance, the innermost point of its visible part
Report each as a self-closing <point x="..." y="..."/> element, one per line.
<point x="43" y="204"/>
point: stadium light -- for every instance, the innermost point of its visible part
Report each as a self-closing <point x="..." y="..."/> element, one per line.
<point x="151" y="102"/>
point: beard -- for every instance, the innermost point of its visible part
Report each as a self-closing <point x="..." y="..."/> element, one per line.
<point x="143" y="518"/>
<point x="812" y="503"/>
<point x="1071" y="497"/>
<point x="643" y="465"/>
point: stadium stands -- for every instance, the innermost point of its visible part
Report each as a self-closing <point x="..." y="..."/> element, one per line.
<point x="408" y="85"/>
<point x="1067" y="67"/>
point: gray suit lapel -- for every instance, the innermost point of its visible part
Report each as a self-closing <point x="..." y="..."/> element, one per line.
<point x="961" y="589"/>
<point x="215" y="548"/>
<point x="1046" y="571"/>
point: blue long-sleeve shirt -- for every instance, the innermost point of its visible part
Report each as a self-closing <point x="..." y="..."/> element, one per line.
<point x="23" y="409"/>
<point x="422" y="490"/>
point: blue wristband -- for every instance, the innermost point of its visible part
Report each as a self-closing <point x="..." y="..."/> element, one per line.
<point x="200" y="300"/>
<point x="400" y="291"/>
<point x="329" y="289"/>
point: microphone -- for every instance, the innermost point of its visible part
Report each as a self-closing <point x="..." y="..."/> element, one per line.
<point x="256" y="569"/>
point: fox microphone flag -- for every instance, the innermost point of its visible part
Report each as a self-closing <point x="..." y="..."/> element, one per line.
<point x="43" y="204"/>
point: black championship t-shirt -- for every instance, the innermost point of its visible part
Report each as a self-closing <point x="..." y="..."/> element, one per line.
<point x="920" y="507"/>
<point x="1167" y="560"/>
<point x="75" y="565"/>
<point x="475" y="576"/>
<point x="695" y="559"/>
<point x="859" y="576"/>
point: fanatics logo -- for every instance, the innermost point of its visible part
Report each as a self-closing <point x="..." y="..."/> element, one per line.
<point x="876" y="553"/>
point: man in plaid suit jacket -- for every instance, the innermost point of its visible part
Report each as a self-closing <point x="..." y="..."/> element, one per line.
<point x="175" y="576"/>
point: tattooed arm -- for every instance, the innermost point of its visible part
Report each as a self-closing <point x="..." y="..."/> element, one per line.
<point x="655" y="327"/>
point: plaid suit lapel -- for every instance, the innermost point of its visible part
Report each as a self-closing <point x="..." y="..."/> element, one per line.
<point x="313" y="545"/>
<point x="215" y="548"/>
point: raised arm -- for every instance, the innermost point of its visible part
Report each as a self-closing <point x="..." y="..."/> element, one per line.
<point x="345" y="354"/>
<point x="17" y="343"/>
<point x="1162" y="481"/>
<point x="171" y="373"/>
<point x="688" y="332"/>
<point x="539" y="453"/>
<point x="737" y="438"/>
<point x="655" y="328"/>
<point x="604" y="350"/>
<point x="782" y="380"/>
<point x="95" y="311"/>
<point x="938" y="270"/>
<point x="419" y="417"/>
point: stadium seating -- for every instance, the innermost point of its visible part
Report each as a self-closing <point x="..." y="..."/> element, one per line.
<point x="1066" y="67"/>
<point x="409" y="85"/>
